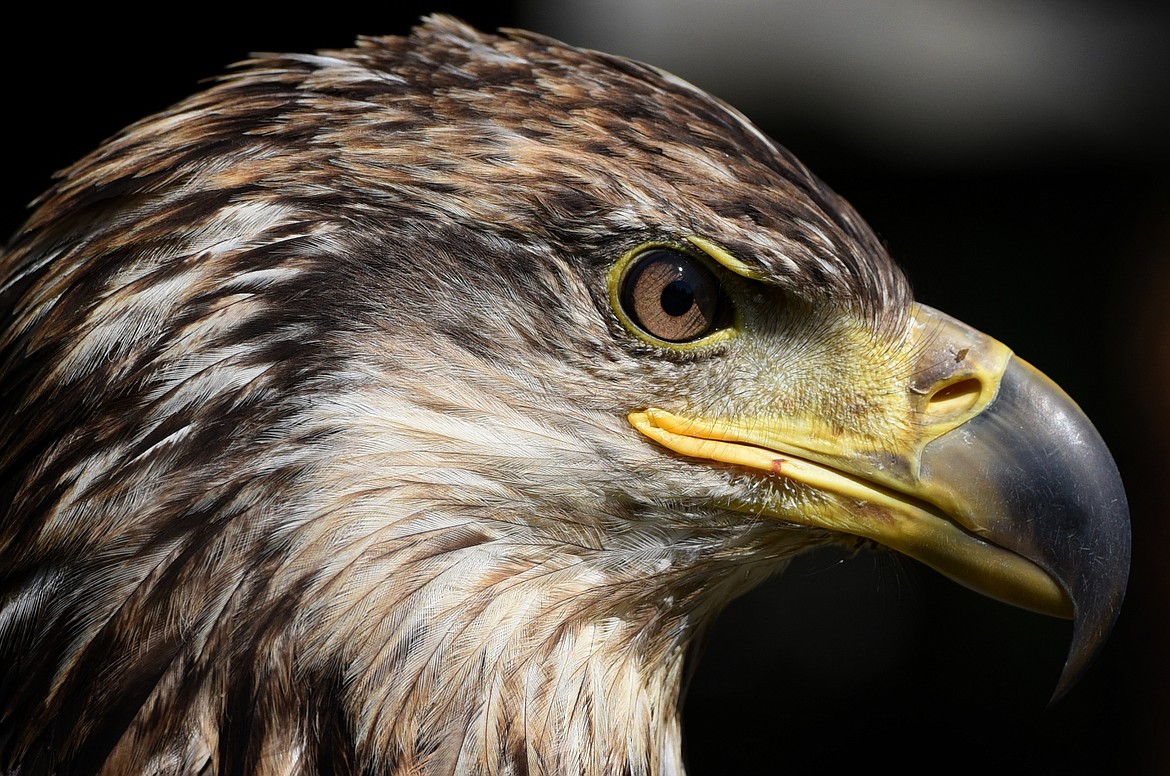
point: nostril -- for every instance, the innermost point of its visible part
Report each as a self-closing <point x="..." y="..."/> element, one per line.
<point x="954" y="398"/>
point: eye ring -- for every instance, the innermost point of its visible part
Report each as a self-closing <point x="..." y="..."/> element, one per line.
<point x="672" y="296"/>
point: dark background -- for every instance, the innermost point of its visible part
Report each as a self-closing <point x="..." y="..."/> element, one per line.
<point x="1050" y="237"/>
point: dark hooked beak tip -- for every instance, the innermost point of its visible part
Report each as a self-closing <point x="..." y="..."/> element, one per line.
<point x="1037" y="479"/>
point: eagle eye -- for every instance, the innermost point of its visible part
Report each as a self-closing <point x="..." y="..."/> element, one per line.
<point x="673" y="296"/>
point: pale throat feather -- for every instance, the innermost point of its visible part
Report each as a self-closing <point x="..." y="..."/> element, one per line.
<point x="476" y="621"/>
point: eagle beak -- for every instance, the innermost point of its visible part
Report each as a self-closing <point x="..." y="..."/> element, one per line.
<point x="997" y="480"/>
<point x="1033" y="473"/>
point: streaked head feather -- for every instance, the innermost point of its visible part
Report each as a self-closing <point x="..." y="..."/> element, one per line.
<point x="317" y="457"/>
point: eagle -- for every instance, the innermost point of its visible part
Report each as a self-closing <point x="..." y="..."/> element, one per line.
<point x="415" y="408"/>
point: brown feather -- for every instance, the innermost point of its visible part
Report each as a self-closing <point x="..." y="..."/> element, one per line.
<point x="315" y="458"/>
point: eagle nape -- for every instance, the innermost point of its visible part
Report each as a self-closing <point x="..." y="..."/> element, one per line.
<point x="414" y="407"/>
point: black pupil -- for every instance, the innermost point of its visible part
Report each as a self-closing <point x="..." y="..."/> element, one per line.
<point x="677" y="297"/>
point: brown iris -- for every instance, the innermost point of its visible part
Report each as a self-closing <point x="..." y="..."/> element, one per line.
<point x="673" y="296"/>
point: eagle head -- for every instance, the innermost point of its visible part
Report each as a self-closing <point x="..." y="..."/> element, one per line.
<point x="412" y="408"/>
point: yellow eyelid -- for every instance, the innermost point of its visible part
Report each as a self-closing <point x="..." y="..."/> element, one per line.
<point x="723" y="257"/>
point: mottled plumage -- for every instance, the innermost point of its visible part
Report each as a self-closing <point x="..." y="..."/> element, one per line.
<point x="315" y="456"/>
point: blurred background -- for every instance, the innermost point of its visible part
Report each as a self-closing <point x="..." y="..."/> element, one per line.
<point x="1014" y="157"/>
